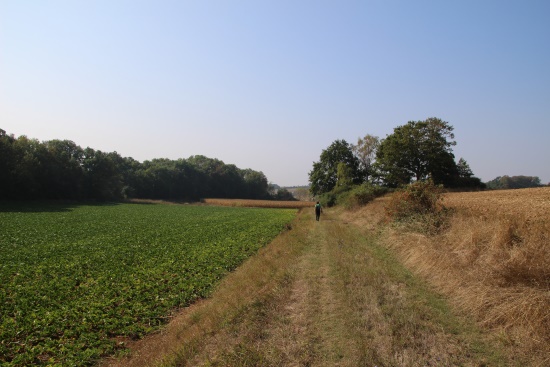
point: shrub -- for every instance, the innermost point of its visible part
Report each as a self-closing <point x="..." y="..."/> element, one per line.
<point x="328" y="199"/>
<point x="331" y="198"/>
<point x="418" y="204"/>
<point x="420" y="197"/>
<point x="352" y="196"/>
<point x="361" y="195"/>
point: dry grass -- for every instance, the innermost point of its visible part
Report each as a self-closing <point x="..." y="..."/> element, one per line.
<point x="493" y="261"/>
<point x="260" y="203"/>
<point x="371" y="216"/>
<point x="528" y="203"/>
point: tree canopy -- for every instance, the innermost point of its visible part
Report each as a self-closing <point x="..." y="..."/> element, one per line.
<point x="514" y="182"/>
<point x="60" y="169"/>
<point x="324" y="175"/>
<point x="365" y="150"/>
<point x="418" y="150"/>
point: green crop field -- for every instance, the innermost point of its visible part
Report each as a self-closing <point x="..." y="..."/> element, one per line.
<point x="74" y="279"/>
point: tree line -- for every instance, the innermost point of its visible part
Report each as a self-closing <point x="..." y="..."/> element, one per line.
<point x="60" y="169"/>
<point x="514" y="182"/>
<point x="416" y="151"/>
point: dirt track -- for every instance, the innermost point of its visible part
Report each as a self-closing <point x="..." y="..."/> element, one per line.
<point x="322" y="294"/>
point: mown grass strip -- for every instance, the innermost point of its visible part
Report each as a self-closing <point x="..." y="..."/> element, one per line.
<point x="401" y="318"/>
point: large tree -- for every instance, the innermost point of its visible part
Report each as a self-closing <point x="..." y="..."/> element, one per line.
<point x="365" y="150"/>
<point x="62" y="176"/>
<point x="324" y="175"/>
<point x="416" y="151"/>
<point x="466" y="178"/>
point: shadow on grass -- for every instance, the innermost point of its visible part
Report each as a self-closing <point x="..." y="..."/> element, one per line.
<point x="47" y="206"/>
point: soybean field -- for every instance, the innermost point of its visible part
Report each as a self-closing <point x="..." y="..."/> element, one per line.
<point x="78" y="280"/>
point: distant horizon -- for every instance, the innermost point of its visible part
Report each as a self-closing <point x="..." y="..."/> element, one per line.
<point x="227" y="162"/>
<point x="268" y="85"/>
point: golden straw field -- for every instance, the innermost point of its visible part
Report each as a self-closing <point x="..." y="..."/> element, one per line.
<point x="492" y="260"/>
<point x="260" y="203"/>
<point x="529" y="203"/>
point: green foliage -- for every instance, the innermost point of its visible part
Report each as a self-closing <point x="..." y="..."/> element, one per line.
<point x="466" y="179"/>
<point x="418" y="150"/>
<point x="343" y="175"/>
<point x="464" y="169"/>
<point x="73" y="278"/>
<point x="60" y="169"/>
<point x="365" y="150"/>
<point x="362" y="195"/>
<point x="418" y="204"/>
<point x="332" y="198"/>
<point x="103" y="180"/>
<point x="352" y="196"/>
<point x="284" y="195"/>
<point x="513" y="182"/>
<point x="324" y="175"/>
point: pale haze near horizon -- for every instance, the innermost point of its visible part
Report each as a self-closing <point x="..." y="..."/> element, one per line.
<point x="268" y="85"/>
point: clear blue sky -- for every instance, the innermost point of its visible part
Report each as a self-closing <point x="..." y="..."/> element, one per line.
<point x="268" y="85"/>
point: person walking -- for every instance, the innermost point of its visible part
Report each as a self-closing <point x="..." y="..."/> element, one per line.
<point x="317" y="211"/>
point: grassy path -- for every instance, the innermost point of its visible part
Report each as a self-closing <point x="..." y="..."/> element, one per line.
<point x="322" y="294"/>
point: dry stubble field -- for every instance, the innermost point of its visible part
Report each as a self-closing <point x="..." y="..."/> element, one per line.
<point x="532" y="204"/>
<point x="493" y="262"/>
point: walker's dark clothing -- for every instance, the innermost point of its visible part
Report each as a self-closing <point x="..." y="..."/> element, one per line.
<point x="317" y="211"/>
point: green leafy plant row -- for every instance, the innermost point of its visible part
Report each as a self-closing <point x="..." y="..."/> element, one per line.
<point x="74" y="280"/>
